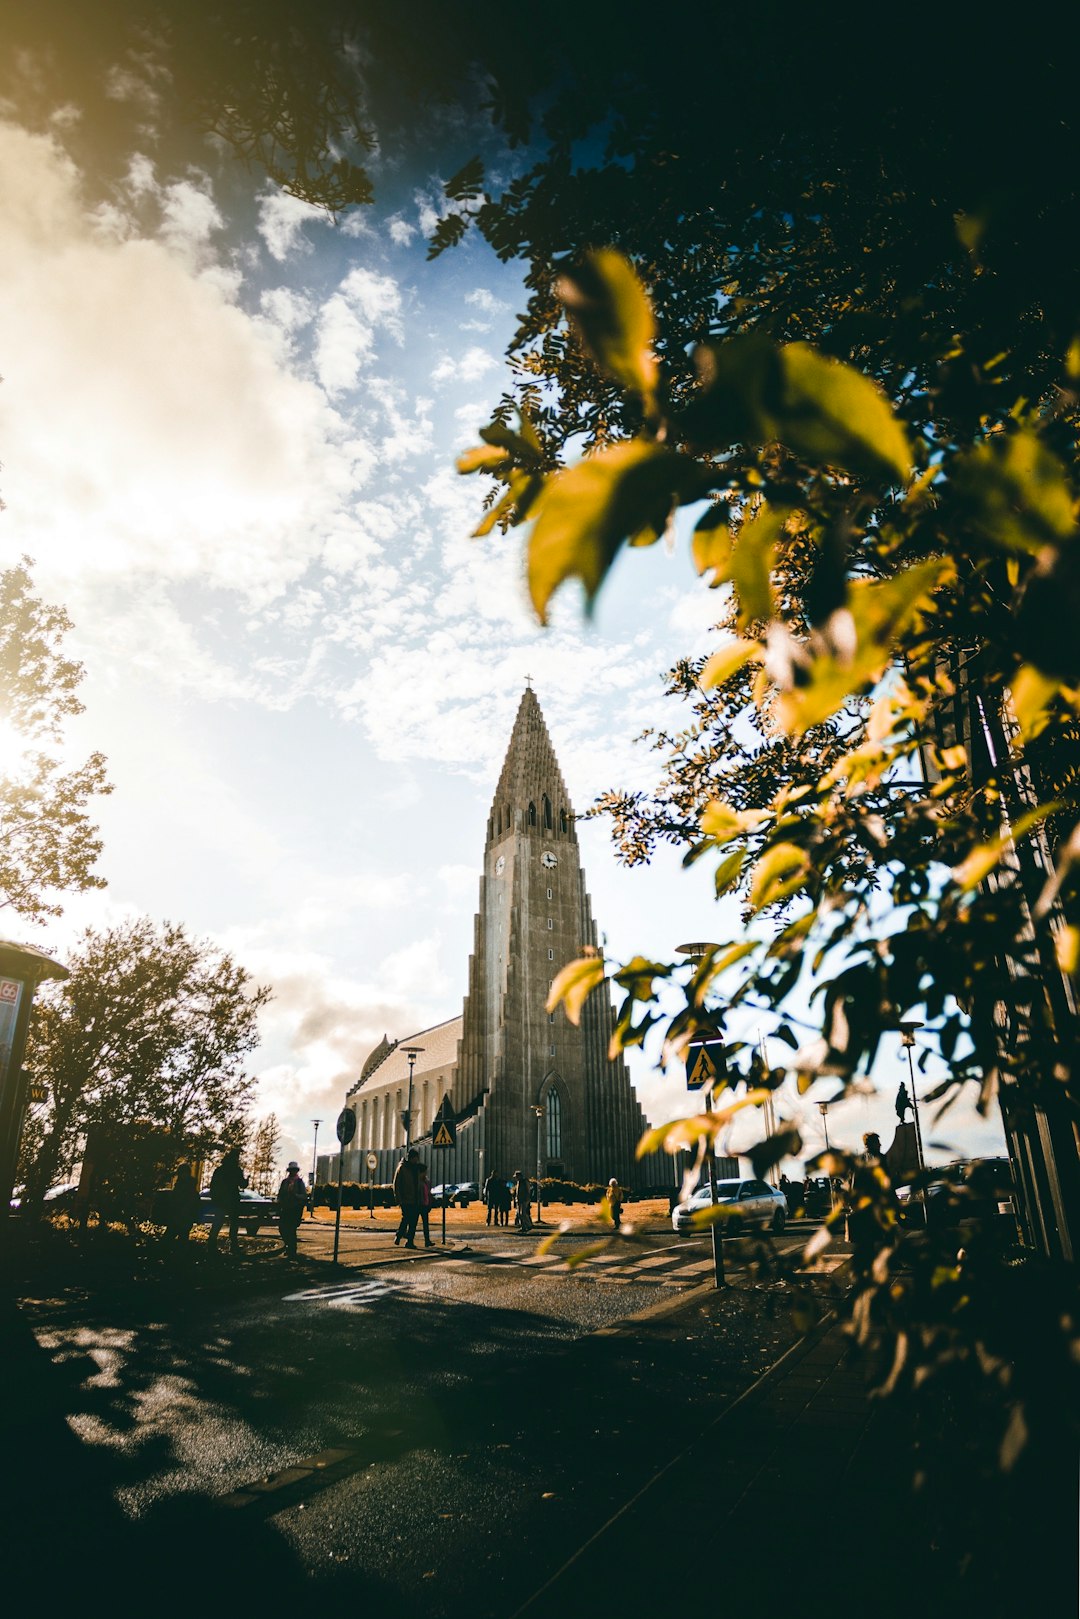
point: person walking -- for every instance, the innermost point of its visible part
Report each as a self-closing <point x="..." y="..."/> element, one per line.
<point x="183" y="1206"/>
<point x="426" y="1200"/>
<point x="615" y="1197"/>
<point x="523" y="1198"/>
<point x="491" y="1198"/>
<point x="226" y="1184"/>
<point x="407" y="1197"/>
<point x="292" y="1200"/>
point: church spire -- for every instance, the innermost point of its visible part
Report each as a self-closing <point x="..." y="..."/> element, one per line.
<point x="531" y="795"/>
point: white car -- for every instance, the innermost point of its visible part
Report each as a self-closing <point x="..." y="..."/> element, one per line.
<point x="746" y="1203"/>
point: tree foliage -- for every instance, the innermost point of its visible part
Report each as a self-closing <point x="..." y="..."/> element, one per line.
<point x="48" y="843"/>
<point x="154" y="1028"/>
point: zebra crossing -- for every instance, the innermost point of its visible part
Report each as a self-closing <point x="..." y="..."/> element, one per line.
<point x="668" y="1267"/>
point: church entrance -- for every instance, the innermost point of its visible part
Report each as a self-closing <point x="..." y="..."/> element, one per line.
<point x="554" y="1172"/>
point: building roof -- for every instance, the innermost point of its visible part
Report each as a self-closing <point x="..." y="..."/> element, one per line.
<point x="438" y="1048"/>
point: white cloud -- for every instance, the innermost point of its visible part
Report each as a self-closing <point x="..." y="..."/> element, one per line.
<point x="365" y="304"/>
<point x="481" y="298"/>
<point x="281" y="223"/>
<point x="466" y="368"/>
<point x="400" y="231"/>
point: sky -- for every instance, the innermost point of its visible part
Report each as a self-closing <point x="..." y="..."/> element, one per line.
<point x="228" y="430"/>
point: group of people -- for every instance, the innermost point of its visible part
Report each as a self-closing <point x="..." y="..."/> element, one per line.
<point x="226" y="1184"/>
<point x="498" y="1197"/>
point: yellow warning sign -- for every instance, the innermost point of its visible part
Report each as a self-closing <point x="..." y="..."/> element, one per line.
<point x="702" y="1071"/>
<point x="444" y="1135"/>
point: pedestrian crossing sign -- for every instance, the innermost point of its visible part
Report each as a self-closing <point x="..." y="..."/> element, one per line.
<point x="445" y="1134"/>
<point x="704" y="1064"/>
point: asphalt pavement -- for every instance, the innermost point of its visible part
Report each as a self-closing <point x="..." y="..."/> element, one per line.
<point x="471" y="1431"/>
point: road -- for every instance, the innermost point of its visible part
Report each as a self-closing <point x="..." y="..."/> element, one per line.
<point x="438" y="1430"/>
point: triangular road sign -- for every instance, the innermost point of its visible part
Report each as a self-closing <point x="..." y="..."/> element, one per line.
<point x="702" y="1072"/>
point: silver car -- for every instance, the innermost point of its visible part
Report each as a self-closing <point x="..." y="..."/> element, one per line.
<point x="745" y="1203"/>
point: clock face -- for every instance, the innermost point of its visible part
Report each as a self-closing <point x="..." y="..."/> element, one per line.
<point x="500" y="865"/>
<point x="549" y="860"/>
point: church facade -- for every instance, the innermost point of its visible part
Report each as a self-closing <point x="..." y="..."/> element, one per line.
<point x="529" y="1089"/>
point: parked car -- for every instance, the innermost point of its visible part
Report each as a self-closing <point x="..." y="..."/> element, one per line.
<point x="255" y="1211"/>
<point x="974" y="1195"/>
<point x="461" y="1193"/>
<point x="745" y="1202"/>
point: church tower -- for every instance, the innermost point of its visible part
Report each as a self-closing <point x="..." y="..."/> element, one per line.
<point x="506" y="1056"/>
<point x="535" y="916"/>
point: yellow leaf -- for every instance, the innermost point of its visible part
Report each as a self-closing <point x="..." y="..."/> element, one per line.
<point x="982" y="860"/>
<point x="586" y="512"/>
<point x="722" y="823"/>
<point x="574" y="984"/>
<point x="1032" y="693"/>
<point x="831" y="412"/>
<point x="751" y="563"/>
<point x="881" y="611"/>
<point x="1067" y="949"/>
<point x="1018" y="492"/>
<point x="682" y="1134"/>
<point x="614" y="317"/>
<point x="780" y="871"/>
<point x="728" y="661"/>
<point x="484" y="458"/>
<point x="710" y="545"/>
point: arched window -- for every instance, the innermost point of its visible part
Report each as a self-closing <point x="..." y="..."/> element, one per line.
<point x="532" y="813"/>
<point x="500" y="820"/>
<point x="509" y="821"/>
<point x="547" y="812"/>
<point x="554" y="1123"/>
<point x="491" y="829"/>
<point x="562" y="821"/>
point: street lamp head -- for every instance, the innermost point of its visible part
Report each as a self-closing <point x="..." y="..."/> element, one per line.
<point x="907" y="1033"/>
<point x="823" y="1108"/>
<point x="695" y="951"/>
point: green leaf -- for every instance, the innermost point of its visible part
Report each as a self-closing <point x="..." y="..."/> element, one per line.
<point x="468" y="183"/>
<point x="832" y="413"/>
<point x="783" y="1144"/>
<point x="728" y="872"/>
<point x="614" y="317"/>
<point x="586" y="512"/>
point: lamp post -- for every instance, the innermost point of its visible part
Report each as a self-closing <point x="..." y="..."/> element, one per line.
<point x="412" y="1052"/>
<point x="314" y="1158"/>
<point x="538" y="1109"/>
<point x="823" y="1109"/>
<point x="907" y="1040"/>
<point x="696" y="953"/>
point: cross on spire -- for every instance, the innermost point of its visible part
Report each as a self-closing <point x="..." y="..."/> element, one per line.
<point x="528" y="681"/>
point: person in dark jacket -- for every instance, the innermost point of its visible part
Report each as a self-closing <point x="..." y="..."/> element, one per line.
<point x="407" y="1197"/>
<point x="491" y="1198"/>
<point x="183" y="1206"/>
<point x="226" y="1184"/>
<point x="291" y="1199"/>
<point x="523" y="1197"/>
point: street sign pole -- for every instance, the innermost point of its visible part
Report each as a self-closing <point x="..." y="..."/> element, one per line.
<point x="443" y="1137"/>
<point x="704" y="1065"/>
<point x="346" y="1129"/>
